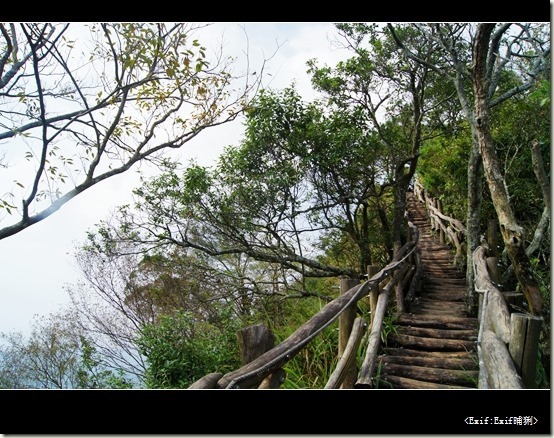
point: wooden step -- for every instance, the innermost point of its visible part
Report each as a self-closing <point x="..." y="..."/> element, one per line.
<point x="445" y="322"/>
<point x="394" y="351"/>
<point x="452" y="363"/>
<point x="434" y="344"/>
<point x="465" y="334"/>
<point x="443" y="376"/>
<point x="397" y="382"/>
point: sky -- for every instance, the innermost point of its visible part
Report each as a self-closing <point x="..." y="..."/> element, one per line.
<point x="37" y="264"/>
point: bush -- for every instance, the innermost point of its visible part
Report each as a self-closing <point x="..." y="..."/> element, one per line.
<point x="181" y="349"/>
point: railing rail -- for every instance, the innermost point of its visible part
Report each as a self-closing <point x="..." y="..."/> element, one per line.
<point x="252" y="374"/>
<point x="454" y="233"/>
<point x="507" y="343"/>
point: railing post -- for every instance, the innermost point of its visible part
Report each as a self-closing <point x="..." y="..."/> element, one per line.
<point x="346" y="321"/>
<point x="524" y="343"/>
<point x="442" y="238"/>
<point x="374" y="292"/>
<point x="492" y="237"/>
<point x="254" y="341"/>
<point x="492" y="261"/>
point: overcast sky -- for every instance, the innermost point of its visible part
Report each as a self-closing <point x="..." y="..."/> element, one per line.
<point x="38" y="263"/>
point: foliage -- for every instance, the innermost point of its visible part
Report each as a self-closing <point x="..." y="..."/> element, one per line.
<point x="56" y="355"/>
<point x="313" y="365"/>
<point x="181" y="349"/>
<point x="84" y="102"/>
<point x="91" y="376"/>
<point x="442" y="176"/>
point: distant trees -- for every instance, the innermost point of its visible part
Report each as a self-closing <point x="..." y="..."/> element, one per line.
<point x="56" y="355"/>
<point x="129" y="298"/>
<point x="80" y="103"/>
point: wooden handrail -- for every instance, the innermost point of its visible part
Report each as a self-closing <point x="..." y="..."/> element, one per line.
<point x="496" y="328"/>
<point x="499" y="345"/>
<point x="253" y="373"/>
<point x="456" y="231"/>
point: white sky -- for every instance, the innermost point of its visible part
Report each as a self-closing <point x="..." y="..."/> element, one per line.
<point x="37" y="263"/>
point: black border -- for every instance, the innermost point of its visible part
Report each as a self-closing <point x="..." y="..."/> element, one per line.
<point x="261" y="412"/>
<point x="281" y="412"/>
<point x="283" y="11"/>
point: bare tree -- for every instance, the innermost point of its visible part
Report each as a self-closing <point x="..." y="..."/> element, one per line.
<point x="81" y="103"/>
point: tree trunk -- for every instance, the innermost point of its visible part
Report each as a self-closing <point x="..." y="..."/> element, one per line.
<point x="474" y="200"/>
<point x="512" y="232"/>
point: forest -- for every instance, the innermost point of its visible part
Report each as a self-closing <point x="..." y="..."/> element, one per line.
<point x="316" y="190"/>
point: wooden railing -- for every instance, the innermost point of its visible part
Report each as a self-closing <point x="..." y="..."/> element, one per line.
<point x="261" y="371"/>
<point x="507" y="342"/>
<point x="450" y="230"/>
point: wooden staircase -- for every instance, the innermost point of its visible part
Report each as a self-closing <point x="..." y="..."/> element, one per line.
<point x="434" y="345"/>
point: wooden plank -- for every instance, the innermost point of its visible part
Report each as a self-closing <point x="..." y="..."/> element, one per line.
<point x="424" y="311"/>
<point x="428" y="332"/>
<point x="446" y="322"/>
<point x="436" y="375"/>
<point x="460" y="363"/>
<point x="397" y="382"/>
<point x="431" y="343"/>
<point x="409" y="352"/>
<point x="440" y="304"/>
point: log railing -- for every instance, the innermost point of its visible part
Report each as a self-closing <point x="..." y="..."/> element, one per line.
<point x="257" y="370"/>
<point x="507" y="342"/>
<point x="450" y="230"/>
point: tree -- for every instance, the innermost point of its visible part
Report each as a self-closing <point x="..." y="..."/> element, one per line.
<point x="127" y="292"/>
<point x="454" y="41"/>
<point x="294" y="179"/>
<point x="56" y="355"/>
<point x="305" y="175"/>
<point x="82" y="103"/>
<point x="388" y="93"/>
<point x="485" y="54"/>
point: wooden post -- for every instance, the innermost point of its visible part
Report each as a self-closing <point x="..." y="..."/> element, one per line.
<point x="441" y="230"/>
<point x="524" y="344"/>
<point x="431" y="203"/>
<point x="374" y="292"/>
<point x="346" y="321"/>
<point x="494" y="273"/>
<point x="399" y="290"/>
<point x="492" y="237"/>
<point x="348" y="359"/>
<point x="254" y="341"/>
